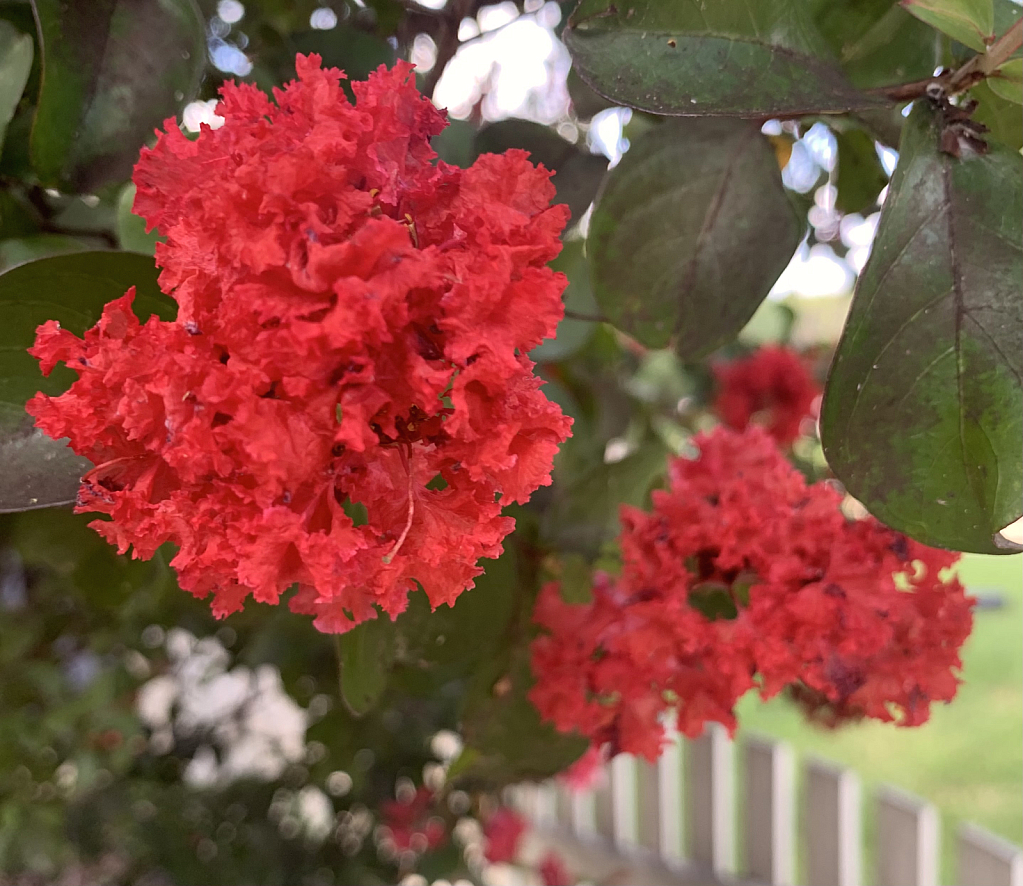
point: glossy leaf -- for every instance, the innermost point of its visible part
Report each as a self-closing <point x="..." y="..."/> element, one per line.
<point x="16" y="52"/>
<point x="71" y="289"/>
<point x="690" y="233"/>
<point x="113" y="70"/>
<point x="970" y="22"/>
<point x="577" y="172"/>
<point x="859" y="175"/>
<point x="923" y="413"/>
<point x="692" y="58"/>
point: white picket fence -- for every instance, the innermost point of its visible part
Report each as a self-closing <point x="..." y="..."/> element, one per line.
<point x="630" y="830"/>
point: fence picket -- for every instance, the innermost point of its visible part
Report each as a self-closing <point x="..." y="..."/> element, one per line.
<point x="710" y="799"/>
<point x="603" y="803"/>
<point x="831" y="823"/>
<point x="987" y="860"/>
<point x="907" y="840"/>
<point x="769" y="811"/>
<point x="659" y="789"/>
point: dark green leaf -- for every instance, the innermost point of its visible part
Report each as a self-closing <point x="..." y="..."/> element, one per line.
<point x="71" y="289"/>
<point x="923" y="413"/>
<point x="37" y="472"/>
<point x="18" y="250"/>
<point x="690" y="233"/>
<point x="859" y="176"/>
<point x="113" y="70"/>
<point x="367" y="652"/>
<point x="16" y="52"/>
<point x="877" y="42"/>
<point x="355" y="52"/>
<point x="571" y="334"/>
<point x="578" y="173"/>
<point x="583" y="515"/>
<point x="692" y="58"/>
<point x="504" y="736"/>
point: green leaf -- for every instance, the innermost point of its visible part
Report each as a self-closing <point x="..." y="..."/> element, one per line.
<point x="113" y="70"/>
<point x="71" y="289"/>
<point x="877" y="42"/>
<point x="576" y="579"/>
<point x="970" y="22"/>
<point x="366" y="654"/>
<point x="16" y="52"/>
<point x="692" y="57"/>
<point x="38" y="472"/>
<point x="1000" y="115"/>
<point x="577" y="172"/>
<point x="571" y="334"/>
<point x="1007" y="81"/>
<point x="583" y="515"/>
<point x="357" y="53"/>
<point x="18" y="250"/>
<point x="859" y="175"/>
<point x="508" y="741"/>
<point x="131" y="228"/>
<point x="690" y="233"/>
<point x="923" y="414"/>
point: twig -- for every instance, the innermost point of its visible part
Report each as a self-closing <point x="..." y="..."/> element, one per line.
<point x="978" y="68"/>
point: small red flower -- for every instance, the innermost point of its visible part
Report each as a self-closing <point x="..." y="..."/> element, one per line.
<point x="553" y="871"/>
<point x="772" y="387"/>
<point x="411" y="824"/>
<point x="744" y="577"/>
<point x="343" y="403"/>
<point x="503" y="831"/>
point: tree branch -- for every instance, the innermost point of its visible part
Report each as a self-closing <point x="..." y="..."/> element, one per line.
<point x="978" y="68"/>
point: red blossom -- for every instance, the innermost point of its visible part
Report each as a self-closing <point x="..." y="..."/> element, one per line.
<point x="503" y="831"/>
<point x="772" y="387"/>
<point x="742" y="576"/>
<point x="343" y="403"/>
<point x="553" y="871"/>
<point x="411" y="824"/>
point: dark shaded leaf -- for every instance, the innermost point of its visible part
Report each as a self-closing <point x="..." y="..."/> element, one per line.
<point x="355" y="52"/>
<point x="113" y="70"/>
<point x="367" y="652"/>
<point x="577" y="172"/>
<point x="877" y="43"/>
<point x="37" y="472"/>
<point x="690" y="233"/>
<point x="572" y="333"/>
<point x="71" y="289"/>
<point x="16" y="52"/>
<point x="923" y="412"/>
<point x="690" y="58"/>
<point x="859" y="175"/>
<point x="583" y="515"/>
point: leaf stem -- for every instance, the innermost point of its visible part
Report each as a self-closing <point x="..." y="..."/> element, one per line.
<point x="978" y="68"/>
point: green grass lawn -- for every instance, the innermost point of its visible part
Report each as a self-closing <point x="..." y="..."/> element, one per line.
<point x="967" y="760"/>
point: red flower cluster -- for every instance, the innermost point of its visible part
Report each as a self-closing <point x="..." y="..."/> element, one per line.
<point x="772" y="387"/>
<point x="410" y="825"/>
<point x="742" y="577"/>
<point x="343" y="402"/>
<point x="503" y="831"/>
